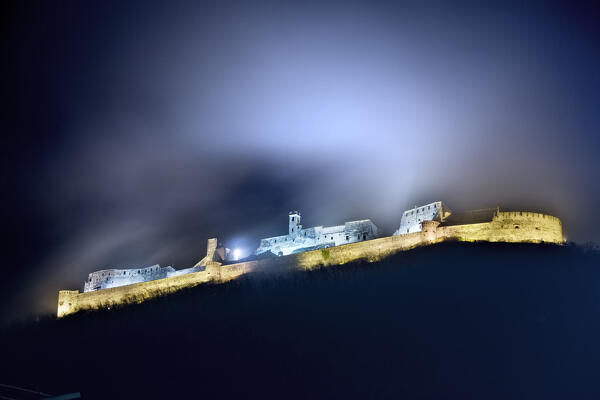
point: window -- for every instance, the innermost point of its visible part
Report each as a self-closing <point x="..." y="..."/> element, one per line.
<point x="429" y="207"/>
<point x="332" y="238"/>
<point x="347" y="238"/>
<point x="292" y="219"/>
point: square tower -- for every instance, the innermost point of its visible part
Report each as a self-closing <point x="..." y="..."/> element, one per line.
<point x="294" y="223"/>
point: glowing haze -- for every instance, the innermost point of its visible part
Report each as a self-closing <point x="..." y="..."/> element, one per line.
<point x="153" y="127"/>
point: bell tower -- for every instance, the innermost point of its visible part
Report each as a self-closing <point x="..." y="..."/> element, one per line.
<point x="294" y="220"/>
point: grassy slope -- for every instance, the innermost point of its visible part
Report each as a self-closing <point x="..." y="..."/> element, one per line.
<point x="455" y="320"/>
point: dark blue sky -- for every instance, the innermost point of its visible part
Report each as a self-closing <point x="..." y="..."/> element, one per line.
<point x="136" y="131"/>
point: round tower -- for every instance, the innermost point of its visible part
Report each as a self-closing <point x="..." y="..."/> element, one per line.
<point x="294" y="223"/>
<point x="429" y="230"/>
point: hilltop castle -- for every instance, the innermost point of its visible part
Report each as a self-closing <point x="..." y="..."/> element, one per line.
<point x="313" y="247"/>
<point x="298" y="239"/>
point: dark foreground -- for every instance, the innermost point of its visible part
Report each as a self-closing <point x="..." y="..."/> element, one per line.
<point x="455" y="320"/>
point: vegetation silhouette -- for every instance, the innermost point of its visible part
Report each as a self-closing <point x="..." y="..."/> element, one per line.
<point x="453" y="320"/>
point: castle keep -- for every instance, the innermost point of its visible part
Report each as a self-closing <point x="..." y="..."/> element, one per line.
<point x="313" y="248"/>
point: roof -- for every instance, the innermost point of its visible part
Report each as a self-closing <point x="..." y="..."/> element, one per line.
<point x="470" y="217"/>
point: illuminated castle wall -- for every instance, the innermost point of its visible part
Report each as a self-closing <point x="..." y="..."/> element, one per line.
<point x="513" y="226"/>
<point x="411" y="219"/>
<point x="482" y="225"/>
<point x="110" y="278"/>
<point x="319" y="237"/>
<point x="488" y="224"/>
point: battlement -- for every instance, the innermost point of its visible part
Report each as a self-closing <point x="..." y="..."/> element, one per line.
<point x="524" y="214"/>
<point x="508" y="226"/>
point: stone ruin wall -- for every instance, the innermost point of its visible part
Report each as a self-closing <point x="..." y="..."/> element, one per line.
<point x="532" y="227"/>
<point x="71" y="301"/>
<point x="113" y="277"/>
<point x="508" y="227"/>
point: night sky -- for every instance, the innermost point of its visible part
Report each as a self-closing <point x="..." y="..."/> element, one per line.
<point x="134" y="131"/>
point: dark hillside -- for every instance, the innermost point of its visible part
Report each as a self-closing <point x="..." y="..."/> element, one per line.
<point x="455" y="320"/>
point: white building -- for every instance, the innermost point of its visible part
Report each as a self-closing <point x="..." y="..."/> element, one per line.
<point x="298" y="239"/>
<point x="108" y="278"/>
<point x="113" y="277"/>
<point x="411" y="219"/>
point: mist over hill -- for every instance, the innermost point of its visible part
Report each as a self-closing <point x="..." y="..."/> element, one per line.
<point x="453" y="320"/>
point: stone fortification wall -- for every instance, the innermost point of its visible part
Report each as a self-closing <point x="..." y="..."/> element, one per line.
<point x="71" y="301"/>
<point x="109" y="278"/>
<point x="508" y="227"/>
<point x="371" y="250"/>
<point x="505" y="227"/>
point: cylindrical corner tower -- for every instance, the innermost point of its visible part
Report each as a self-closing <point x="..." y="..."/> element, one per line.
<point x="429" y="230"/>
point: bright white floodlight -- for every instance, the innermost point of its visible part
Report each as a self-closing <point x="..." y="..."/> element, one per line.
<point x="236" y="254"/>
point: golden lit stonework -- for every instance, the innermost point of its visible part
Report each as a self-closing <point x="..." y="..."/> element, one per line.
<point x="433" y="227"/>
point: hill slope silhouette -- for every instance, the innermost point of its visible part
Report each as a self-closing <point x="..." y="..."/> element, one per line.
<point x="454" y="320"/>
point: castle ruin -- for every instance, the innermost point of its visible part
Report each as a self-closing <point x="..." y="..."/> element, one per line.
<point x="313" y="248"/>
<point x="318" y="237"/>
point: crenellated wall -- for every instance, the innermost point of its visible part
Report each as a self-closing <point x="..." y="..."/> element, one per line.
<point x="504" y="227"/>
<point x="516" y="226"/>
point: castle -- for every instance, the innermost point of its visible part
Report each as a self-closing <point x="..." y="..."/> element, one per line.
<point x="298" y="239"/>
<point x="312" y="248"/>
<point x="109" y="278"/>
